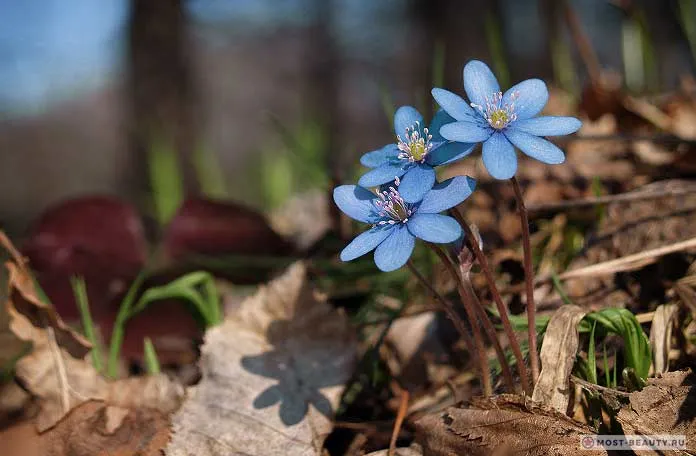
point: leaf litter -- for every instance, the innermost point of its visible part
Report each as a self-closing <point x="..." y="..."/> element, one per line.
<point x="272" y="375"/>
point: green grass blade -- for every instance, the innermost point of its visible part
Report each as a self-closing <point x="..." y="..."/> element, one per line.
<point x="152" y="365"/>
<point x="165" y="180"/>
<point x="496" y="46"/>
<point x="591" y="360"/>
<point x="118" y="331"/>
<point x="79" y="289"/>
<point x="209" y="172"/>
<point x="559" y="289"/>
<point x="606" y="369"/>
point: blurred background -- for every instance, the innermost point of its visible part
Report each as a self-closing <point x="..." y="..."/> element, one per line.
<point x="255" y="100"/>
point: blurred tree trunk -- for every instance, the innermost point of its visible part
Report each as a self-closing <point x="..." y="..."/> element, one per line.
<point x="160" y="87"/>
<point x="449" y="25"/>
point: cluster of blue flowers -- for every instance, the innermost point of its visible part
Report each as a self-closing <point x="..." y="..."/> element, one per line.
<point x="407" y="200"/>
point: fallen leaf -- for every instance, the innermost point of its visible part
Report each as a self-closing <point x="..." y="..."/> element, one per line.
<point x="85" y="431"/>
<point x="502" y="425"/>
<point x="558" y="357"/>
<point x="56" y="371"/>
<point x="661" y="335"/>
<point x="272" y="375"/>
<point x="665" y="406"/>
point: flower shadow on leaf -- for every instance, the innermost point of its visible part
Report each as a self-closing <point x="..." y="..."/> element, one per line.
<point x="301" y="369"/>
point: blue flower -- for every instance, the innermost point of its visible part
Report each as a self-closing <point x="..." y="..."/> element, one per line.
<point x="501" y="120"/>
<point x="412" y="158"/>
<point x="396" y="223"/>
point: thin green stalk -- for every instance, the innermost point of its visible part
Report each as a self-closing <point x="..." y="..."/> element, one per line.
<point x="606" y="368"/>
<point x="152" y="364"/>
<point x="80" y="292"/>
<point x="119" y="325"/>
<point x="558" y="286"/>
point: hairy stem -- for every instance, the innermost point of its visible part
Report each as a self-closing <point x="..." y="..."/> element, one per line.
<point x="529" y="281"/>
<point x="495" y="293"/>
<point x="480" y="348"/>
<point x="447" y="306"/>
<point x="489" y="328"/>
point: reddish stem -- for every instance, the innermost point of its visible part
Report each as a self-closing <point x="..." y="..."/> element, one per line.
<point x="495" y="293"/>
<point x="529" y="282"/>
<point x="480" y="348"/>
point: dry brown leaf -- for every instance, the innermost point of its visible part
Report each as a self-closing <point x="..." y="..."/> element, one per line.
<point x="661" y="335"/>
<point x="272" y="376"/>
<point x="558" y="357"/>
<point x="86" y="431"/>
<point x="665" y="406"/>
<point x="56" y="371"/>
<point x="502" y="425"/>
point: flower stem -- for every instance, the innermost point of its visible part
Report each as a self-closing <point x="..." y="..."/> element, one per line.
<point x="447" y="306"/>
<point x="529" y="281"/>
<point x="495" y="293"/>
<point x="480" y="349"/>
<point x="490" y="330"/>
<point x="467" y="293"/>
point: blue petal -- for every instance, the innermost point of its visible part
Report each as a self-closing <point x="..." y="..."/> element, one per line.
<point x="466" y="132"/>
<point x="453" y="104"/>
<point x="434" y="228"/>
<point x="356" y="202"/>
<point x="380" y="156"/>
<point x="441" y="118"/>
<point x="366" y="242"/>
<point x="479" y="82"/>
<point x="448" y="153"/>
<point x="447" y="194"/>
<point x="395" y="251"/>
<point x="382" y="174"/>
<point x="499" y="157"/>
<point x="548" y="126"/>
<point x="531" y="98"/>
<point x="536" y="147"/>
<point x="416" y="183"/>
<point x="406" y="117"/>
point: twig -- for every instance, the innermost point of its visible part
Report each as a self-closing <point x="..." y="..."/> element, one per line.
<point x="403" y="407"/>
<point x="626" y="263"/>
<point x="591" y="386"/>
<point x="529" y="282"/>
<point x="474" y="320"/>
<point x="640" y="195"/>
<point x="495" y="293"/>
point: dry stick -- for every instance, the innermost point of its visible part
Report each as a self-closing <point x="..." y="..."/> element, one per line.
<point x="474" y="320"/>
<point x="403" y="407"/>
<point x="618" y="198"/>
<point x="467" y="293"/>
<point x="448" y="308"/>
<point x="502" y="309"/>
<point x="529" y="282"/>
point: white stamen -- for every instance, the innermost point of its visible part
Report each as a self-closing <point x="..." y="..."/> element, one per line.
<point x="498" y="114"/>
